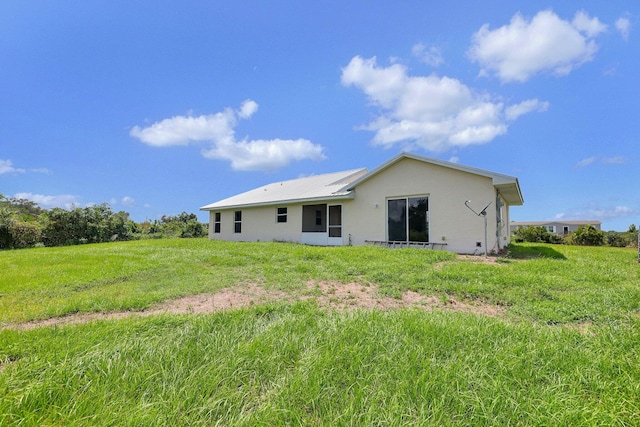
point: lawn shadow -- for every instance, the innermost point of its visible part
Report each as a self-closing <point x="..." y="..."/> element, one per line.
<point x="529" y="252"/>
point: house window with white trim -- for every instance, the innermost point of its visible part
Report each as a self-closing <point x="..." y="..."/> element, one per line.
<point x="237" y="222"/>
<point x="216" y="222"/>
<point x="551" y="228"/>
<point x="281" y="215"/>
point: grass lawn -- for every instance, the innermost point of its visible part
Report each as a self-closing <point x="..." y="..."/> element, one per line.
<point x="564" y="349"/>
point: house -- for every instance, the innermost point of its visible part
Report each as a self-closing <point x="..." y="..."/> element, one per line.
<point x="561" y="228"/>
<point x="410" y="200"/>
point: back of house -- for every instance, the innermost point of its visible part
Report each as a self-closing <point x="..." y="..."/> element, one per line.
<point x="410" y="200"/>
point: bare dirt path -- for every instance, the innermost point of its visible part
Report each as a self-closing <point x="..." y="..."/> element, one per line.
<point x="329" y="295"/>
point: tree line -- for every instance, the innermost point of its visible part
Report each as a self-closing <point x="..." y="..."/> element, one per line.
<point x="24" y="224"/>
<point x="585" y="235"/>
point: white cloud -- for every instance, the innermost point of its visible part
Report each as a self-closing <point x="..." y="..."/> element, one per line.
<point x="531" y="105"/>
<point x="586" y="162"/>
<point x="247" y="108"/>
<point x="435" y="113"/>
<point x="623" y="25"/>
<point x="181" y="130"/>
<point x="595" y="212"/>
<point x="590" y="26"/>
<point x="614" y="160"/>
<point x="40" y="170"/>
<point x="128" y="201"/>
<point x="522" y="49"/>
<point x="264" y="155"/>
<point x="6" y="166"/>
<point x="217" y="130"/>
<point x="65" y="201"/>
<point x="430" y="55"/>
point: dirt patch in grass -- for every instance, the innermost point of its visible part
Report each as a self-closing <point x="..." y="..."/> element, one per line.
<point x="330" y="295"/>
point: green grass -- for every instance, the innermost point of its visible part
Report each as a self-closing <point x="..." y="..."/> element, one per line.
<point x="45" y="282"/>
<point x="565" y="352"/>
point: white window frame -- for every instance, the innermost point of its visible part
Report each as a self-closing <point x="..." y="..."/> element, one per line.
<point x="281" y="217"/>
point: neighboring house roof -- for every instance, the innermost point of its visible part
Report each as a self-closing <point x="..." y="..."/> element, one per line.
<point x="316" y="187"/>
<point x="340" y="185"/>
<point x="594" y="222"/>
<point x="508" y="186"/>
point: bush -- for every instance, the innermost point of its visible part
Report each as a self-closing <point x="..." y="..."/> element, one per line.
<point x="587" y="235"/>
<point x="536" y="234"/>
<point x="617" y="239"/>
<point x="183" y="225"/>
<point x="25" y="234"/>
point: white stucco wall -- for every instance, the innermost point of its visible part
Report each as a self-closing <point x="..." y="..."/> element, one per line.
<point x="450" y="221"/>
<point x="259" y="224"/>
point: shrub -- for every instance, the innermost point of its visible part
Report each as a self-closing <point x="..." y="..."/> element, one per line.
<point x="183" y="225"/>
<point x="617" y="239"/>
<point x="536" y="234"/>
<point x="587" y="235"/>
<point x="25" y="234"/>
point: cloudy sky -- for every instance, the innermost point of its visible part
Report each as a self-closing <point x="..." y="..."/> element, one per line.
<point x="163" y="107"/>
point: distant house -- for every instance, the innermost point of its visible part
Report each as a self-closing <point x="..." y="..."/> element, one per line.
<point x="409" y="200"/>
<point x="561" y="228"/>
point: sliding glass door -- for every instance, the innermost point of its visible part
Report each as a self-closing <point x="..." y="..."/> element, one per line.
<point x="408" y="219"/>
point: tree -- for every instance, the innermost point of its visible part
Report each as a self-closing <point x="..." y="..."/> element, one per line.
<point x="183" y="225"/>
<point x="18" y="223"/>
<point x="24" y="224"/>
<point x="6" y="222"/>
<point x="93" y="224"/>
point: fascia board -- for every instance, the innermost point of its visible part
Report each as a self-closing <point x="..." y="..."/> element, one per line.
<point x="349" y="196"/>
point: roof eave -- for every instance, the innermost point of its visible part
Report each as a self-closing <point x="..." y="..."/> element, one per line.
<point x="348" y="196"/>
<point x="510" y="192"/>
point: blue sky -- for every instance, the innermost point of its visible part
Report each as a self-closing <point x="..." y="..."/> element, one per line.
<point x="159" y="107"/>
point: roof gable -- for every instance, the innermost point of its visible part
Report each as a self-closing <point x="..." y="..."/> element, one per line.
<point x="508" y="186"/>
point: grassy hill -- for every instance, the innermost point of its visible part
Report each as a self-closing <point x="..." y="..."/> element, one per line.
<point x="317" y="336"/>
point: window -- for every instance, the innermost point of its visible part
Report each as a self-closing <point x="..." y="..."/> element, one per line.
<point x="551" y="228"/>
<point x="216" y="223"/>
<point x="237" y="222"/>
<point x="565" y="230"/>
<point x="408" y="219"/>
<point x="281" y="215"/>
